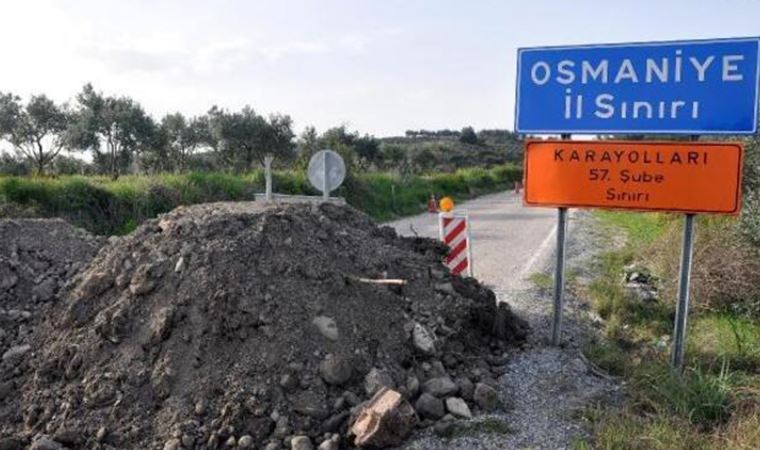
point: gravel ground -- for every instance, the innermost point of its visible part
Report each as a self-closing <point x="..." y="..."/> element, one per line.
<point x="544" y="388"/>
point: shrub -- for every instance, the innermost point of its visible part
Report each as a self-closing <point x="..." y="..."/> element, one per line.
<point x="725" y="270"/>
<point x="105" y="206"/>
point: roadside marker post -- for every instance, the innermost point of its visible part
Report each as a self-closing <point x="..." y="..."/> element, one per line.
<point x="454" y="230"/>
<point x="611" y="89"/>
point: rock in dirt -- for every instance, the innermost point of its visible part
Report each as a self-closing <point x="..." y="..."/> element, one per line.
<point x="327" y="327"/>
<point x="330" y="444"/>
<point x="440" y="387"/>
<point x="429" y="407"/>
<point x="246" y="442"/>
<point x="423" y="339"/>
<point x="201" y="354"/>
<point x="377" y="379"/>
<point x="335" y="369"/>
<point x="301" y="443"/>
<point x="466" y="387"/>
<point x="458" y="407"/>
<point x="486" y="397"/>
<point x="385" y="420"/>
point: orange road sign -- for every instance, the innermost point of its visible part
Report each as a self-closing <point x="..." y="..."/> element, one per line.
<point x="690" y="177"/>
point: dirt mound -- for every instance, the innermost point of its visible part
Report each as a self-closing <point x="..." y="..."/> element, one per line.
<point x="237" y="325"/>
<point x="37" y="256"/>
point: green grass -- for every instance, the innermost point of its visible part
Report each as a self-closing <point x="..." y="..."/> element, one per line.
<point x="712" y="403"/>
<point x="718" y="338"/>
<point x="542" y="281"/>
<point x="641" y="228"/>
<point x="105" y="206"/>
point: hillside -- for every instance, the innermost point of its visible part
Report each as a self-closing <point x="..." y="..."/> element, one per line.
<point x="447" y="150"/>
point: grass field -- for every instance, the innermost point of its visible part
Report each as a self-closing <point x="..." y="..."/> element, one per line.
<point x="104" y="206"/>
<point x="714" y="402"/>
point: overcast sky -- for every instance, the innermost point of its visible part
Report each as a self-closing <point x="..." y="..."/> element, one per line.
<point x="379" y="66"/>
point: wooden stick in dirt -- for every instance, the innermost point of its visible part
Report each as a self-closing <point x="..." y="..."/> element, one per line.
<point x="393" y="281"/>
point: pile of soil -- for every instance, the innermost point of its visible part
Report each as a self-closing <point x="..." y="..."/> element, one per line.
<point x="37" y="256"/>
<point x="242" y="325"/>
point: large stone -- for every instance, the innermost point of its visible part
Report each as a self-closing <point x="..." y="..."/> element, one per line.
<point x="440" y="387"/>
<point x="458" y="407"/>
<point x="246" y="441"/>
<point x="423" y="339"/>
<point x="385" y="420"/>
<point x="335" y="369"/>
<point x="429" y="407"/>
<point x="330" y="444"/>
<point x="466" y="387"/>
<point x="486" y="397"/>
<point x="301" y="443"/>
<point x="327" y="327"/>
<point x="377" y="379"/>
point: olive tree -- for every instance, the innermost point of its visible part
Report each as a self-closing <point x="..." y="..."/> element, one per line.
<point x="113" y="128"/>
<point x="36" y="131"/>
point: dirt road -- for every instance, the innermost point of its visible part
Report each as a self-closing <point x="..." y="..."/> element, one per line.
<point x="543" y="387"/>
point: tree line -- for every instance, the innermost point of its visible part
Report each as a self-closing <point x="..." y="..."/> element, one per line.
<point x="117" y="132"/>
<point x="121" y="137"/>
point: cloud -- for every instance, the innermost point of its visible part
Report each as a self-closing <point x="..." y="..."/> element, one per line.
<point x="275" y="52"/>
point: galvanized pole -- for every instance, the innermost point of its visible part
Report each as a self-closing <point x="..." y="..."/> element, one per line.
<point x="559" y="272"/>
<point x="682" y="308"/>
<point x="559" y="277"/>
<point x="325" y="191"/>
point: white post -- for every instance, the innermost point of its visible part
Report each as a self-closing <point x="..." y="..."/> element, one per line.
<point x="470" y="269"/>
<point x="268" y="176"/>
<point x="440" y="225"/>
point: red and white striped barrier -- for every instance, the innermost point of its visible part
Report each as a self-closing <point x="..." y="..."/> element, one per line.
<point x="455" y="232"/>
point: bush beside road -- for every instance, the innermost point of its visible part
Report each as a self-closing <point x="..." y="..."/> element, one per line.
<point x="106" y="206"/>
<point x="714" y="402"/>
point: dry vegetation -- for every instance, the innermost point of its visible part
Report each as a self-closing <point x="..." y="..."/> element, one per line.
<point x="715" y="401"/>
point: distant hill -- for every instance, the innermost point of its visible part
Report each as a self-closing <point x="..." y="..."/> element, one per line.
<point x="447" y="150"/>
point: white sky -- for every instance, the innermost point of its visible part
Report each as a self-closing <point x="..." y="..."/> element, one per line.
<point x="379" y="66"/>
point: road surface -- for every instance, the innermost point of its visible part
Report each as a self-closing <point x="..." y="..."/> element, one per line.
<point x="509" y="240"/>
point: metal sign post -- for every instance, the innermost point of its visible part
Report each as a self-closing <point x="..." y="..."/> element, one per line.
<point x="684" y="281"/>
<point x="559" y="271"/>
<point x="559" y="277"/>
<point x="325" y="186"/>
<point x="682" y="308"/>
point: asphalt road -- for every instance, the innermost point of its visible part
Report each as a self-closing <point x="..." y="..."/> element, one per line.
<point x="509" y="241"/>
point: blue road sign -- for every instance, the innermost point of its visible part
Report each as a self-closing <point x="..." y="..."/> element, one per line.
<point x="689" y="87"/>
